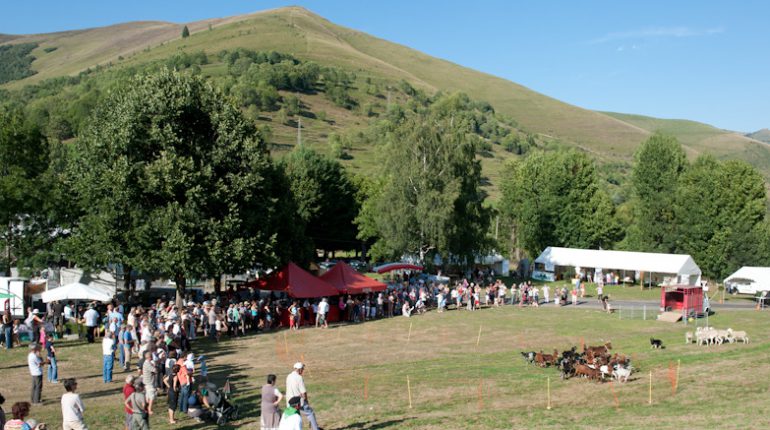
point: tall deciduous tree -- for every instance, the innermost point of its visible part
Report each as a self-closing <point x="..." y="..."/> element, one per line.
<point x="430" y="199"/>
<point x="659" y="162"/>
<point x="554" y="199"/>
<point x="325" y="198"/>
<point x="721" y="216"/>
<point x="173" y="182"/>
<point x="30" y="188"/>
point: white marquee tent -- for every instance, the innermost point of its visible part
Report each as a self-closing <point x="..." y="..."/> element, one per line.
<point x="749" y="280"/>
<point x="77" y="291"/>
<point x="680" y="265"/>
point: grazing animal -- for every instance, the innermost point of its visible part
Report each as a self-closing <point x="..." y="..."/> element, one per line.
<point x="656" y="343"/>
<point x="529" y="356"/>
<point x="723" y="335"/>
<point x="585" y="371"/>
<point x="688" y="337"/>
<point x="738" y="335"/>
<point x="567" y="368"/>
<point x="621" y="374"/>
<point x="598" y="350"/>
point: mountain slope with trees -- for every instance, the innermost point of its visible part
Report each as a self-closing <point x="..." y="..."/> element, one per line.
<point x="299" y="32"/>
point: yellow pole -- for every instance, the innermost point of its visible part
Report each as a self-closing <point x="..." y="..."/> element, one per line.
<point x="478" y="339"/>
<point x="549" y="393"/>
<point x="409" y="389"/>
<point x="650" y="399"/>
<point x="410" y="333"/>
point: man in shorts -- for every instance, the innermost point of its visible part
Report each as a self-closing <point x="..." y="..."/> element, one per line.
<point x="323" y="309"/>
<point x="149" y="370"/>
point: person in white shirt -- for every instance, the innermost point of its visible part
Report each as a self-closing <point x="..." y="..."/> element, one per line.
<point x="35" y="364"/>
<point x="291" y="419"/>
<point x="92" y="322"/>
<point x="68" y="312"/>
<point x="72" y="407"/>
<point x="323" y="309"/>
<point x="295" y="387"/>
<point x="108" y="350"/>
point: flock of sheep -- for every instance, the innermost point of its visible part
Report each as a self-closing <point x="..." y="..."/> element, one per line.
<point x="712" y="336"/>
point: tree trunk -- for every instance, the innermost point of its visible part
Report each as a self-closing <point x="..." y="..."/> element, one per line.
<point x="8" y="249"/>
<point x="127" y="283"/>
<point x="217" y="285"/>
<point x="180" y="287"/>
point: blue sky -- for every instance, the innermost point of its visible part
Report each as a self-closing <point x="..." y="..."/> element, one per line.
<point x="703" y="60"/>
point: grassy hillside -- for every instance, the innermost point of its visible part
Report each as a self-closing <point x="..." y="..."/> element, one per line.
<point x="609" y="137"/>
<point x="697" y="137"/>
<point x="761" y="135"/>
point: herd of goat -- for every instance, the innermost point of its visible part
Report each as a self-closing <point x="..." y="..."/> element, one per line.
<point x="594" y="362"/>
<point x="597" y="363"/>
<point x="712" y="336"/>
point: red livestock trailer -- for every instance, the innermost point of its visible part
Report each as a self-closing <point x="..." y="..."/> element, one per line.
<point x="687" y="299"/>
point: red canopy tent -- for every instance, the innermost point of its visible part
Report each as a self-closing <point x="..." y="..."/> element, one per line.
<point x="296" y="283"/>
<point x="347" y="280"/>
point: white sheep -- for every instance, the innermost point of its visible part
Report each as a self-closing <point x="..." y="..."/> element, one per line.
<point x="621" y="374"/>
<point x="738" y="335"/>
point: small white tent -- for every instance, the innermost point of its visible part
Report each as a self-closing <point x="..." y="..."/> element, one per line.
<point x="749" y="280"/>
<point x="77" y="291"/>
<point x="680" y="265"/>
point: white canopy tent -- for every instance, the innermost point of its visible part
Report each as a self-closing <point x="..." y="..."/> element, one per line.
<point x="749" y="280"/>
<point x="77" y="291"/>
<point x="680" y="265"/>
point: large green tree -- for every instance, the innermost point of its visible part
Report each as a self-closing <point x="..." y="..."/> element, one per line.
<point x="430" y="198"/>
<point x="325" y="198"/>
<point x="721" y="215"/>
<point x="554" y="199"/>
<point x="27" y="193"/>
<point x="173" y="181"/>
<point x="658" y="164"/>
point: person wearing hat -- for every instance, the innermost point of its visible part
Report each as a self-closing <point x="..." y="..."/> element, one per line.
<point x="35" y="364"/>
<point x="295" y="387"/>
<point x="91" y="317"/>
<point x="291" y="420"/>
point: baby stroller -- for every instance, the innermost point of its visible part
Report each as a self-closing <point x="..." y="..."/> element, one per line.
<point x="225" y="410"/>
<point x="222" y="409"/>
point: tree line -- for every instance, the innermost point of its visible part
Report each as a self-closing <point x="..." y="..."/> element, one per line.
<point x="168" y="176"/>
<point x="714" y="210"/>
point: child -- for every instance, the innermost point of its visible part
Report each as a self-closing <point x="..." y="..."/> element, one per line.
<point x="219" y="327"/>
<point x="53" y="370"/>
<point x="16" y="332"/>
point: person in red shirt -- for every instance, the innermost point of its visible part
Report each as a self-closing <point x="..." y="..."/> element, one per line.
<point x="184" y="385"/>
<point x="128" y="389"/>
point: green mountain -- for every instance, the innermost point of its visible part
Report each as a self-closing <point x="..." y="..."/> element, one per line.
<point x="609" y="137"/>
<point x="760" y="135"/>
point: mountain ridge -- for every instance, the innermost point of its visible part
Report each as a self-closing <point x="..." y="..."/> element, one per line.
<point x="298" y="31"/>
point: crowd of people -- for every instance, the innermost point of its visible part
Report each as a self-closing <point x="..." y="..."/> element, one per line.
<point x="153" y="344"/>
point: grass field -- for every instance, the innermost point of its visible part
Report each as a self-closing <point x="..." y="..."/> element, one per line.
<point x="357" y="375"/>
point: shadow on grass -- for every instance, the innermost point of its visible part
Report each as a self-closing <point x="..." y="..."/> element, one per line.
<point x="373" y="425"/>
